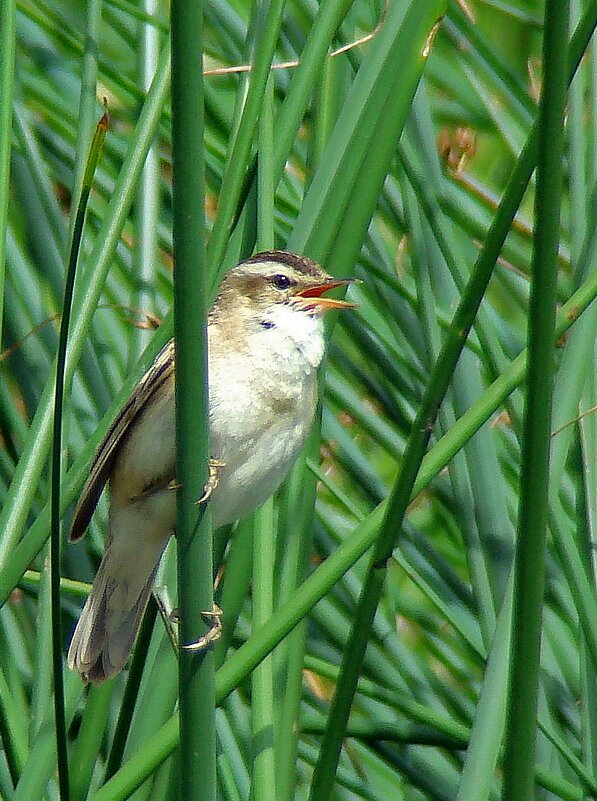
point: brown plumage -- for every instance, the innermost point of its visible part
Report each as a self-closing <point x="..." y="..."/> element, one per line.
<point x="265" y="340"/>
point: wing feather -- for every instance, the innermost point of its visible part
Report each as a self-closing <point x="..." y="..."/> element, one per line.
<point x="161" y="369"/>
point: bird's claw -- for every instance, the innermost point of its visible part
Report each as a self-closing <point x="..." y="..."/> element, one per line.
<point x="212" y="481"/>
<point x="213" y="635"/>
<point x="171" y="618"/>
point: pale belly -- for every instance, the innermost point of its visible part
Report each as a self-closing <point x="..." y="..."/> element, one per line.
<point x="255" y="466"/>
<point x="257" y="446"/>
<point x="257" y="436"/>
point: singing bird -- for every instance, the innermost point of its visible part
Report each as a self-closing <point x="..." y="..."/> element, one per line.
<point x="265" y="343"/>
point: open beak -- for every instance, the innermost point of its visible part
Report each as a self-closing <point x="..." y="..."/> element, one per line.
<point x="311" y="298"/>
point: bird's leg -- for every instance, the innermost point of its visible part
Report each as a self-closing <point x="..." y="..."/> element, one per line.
<point x="168" y="613"/>
<point x="212" y="481"/>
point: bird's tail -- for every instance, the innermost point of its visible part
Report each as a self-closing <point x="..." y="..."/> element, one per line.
<point x="106" y="631"/>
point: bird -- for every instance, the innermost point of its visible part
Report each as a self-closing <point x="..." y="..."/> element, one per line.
<point x="265" y="341"/>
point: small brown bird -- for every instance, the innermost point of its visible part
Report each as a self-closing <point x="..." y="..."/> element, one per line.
<point x="265" y="343"/>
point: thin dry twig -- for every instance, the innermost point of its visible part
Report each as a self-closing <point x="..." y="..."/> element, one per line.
<point x="576" y="419"/>
<point x="285" y="65"/>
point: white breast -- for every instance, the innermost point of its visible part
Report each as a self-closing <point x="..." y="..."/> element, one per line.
<point x="262" y="402"/>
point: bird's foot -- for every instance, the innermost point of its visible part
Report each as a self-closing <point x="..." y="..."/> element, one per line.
<point x="214" y="617"/>
<point x="210" y="485"/>
<point x="171" y="618"/>
<point x="212" y="481"/>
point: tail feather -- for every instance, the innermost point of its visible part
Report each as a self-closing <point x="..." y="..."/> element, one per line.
<point x="108" y="625"/>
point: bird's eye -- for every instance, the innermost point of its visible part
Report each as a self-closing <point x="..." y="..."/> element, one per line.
<point x="282" y="281"/>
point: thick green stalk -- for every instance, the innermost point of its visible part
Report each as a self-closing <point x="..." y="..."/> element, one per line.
<point x="529" y="576"/>
<point x="262" y="707"/>
<point x="195" y="569"/>
<point x="262" y="710"/>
